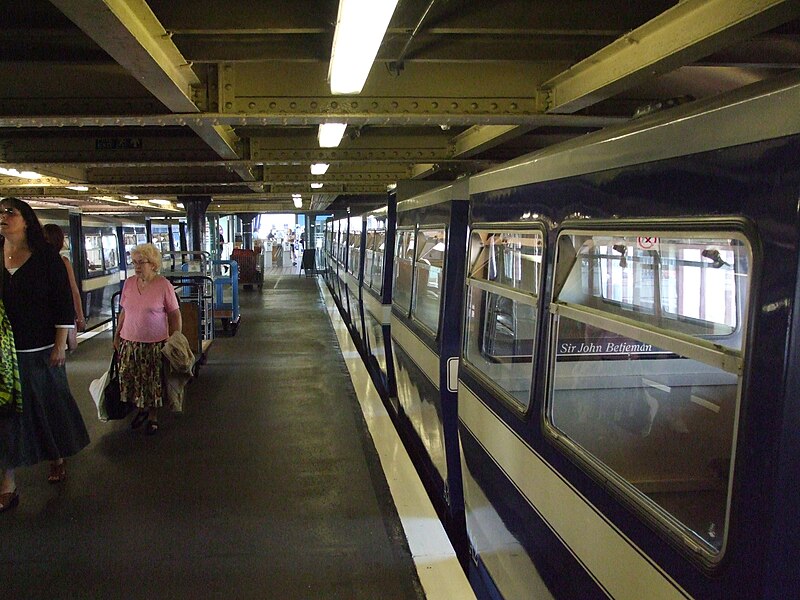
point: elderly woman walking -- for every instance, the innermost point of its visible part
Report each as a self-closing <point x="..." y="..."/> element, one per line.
<point x="38" y="303"/>
<point x="149" y="314"/>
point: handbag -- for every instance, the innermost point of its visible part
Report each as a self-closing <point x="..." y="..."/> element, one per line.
<point x="106" y="394"/>
<point x="10" y="385"/>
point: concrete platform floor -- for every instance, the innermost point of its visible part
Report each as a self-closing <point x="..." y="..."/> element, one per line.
<point x="268" y="486"/>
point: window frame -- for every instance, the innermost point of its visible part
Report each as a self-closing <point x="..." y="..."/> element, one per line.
<point x="686" y="346"/>
<point x="417" y="265"/>
<point x="531" y="299"/>
<point x="405" y="310"/>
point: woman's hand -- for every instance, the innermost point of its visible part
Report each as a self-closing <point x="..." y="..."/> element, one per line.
<point x="80" y="324"/>
<point x="58" y="356"/>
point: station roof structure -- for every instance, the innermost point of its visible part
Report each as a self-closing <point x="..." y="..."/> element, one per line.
<point x="131" y="101"/>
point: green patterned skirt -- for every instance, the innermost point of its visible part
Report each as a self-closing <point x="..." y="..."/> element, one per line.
<point x="141" y="373"/>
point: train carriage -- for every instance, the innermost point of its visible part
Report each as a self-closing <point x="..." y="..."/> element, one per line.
<point x="428" y="275"/>
<point x="627" y="389"/>
<point x="376" y="296"/>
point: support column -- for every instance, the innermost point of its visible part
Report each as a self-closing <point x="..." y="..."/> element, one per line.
<point x="195" y="219"/>
<point x="247" y="229"/>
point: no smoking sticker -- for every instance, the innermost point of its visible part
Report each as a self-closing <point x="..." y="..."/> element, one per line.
<point x="646" y="242"/>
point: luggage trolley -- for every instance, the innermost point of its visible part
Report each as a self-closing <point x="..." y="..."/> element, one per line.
<point x="251" y="267"/>
<point x="196" y="296"/>
<point x="226" y="300"/>
<point x="190" y="271"/>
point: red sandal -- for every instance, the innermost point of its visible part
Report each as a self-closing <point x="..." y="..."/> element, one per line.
<point x="58" y="472"/>
<point x="9" y="500"/>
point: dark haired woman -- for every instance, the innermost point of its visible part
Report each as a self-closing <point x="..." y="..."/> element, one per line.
<point x="38" y="302"/>
<point x="54" y="236"/>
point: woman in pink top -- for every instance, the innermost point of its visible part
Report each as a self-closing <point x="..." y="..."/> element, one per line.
<point x="149" y="314"/>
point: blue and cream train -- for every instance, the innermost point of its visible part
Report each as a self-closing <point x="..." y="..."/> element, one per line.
<point x="99" y="248"/>
<point x="592" y="354"/>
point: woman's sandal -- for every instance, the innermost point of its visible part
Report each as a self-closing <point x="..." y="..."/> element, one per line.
<point x="58" y="472"/>
<point x="139" y="419"/>
<point x="151" y="428"/>
<point x="8" y="500"/>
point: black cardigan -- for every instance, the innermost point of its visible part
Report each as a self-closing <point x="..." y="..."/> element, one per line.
<point x="37" y="298"/>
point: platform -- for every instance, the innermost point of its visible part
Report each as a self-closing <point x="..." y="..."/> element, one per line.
<point x="268" y="486"/>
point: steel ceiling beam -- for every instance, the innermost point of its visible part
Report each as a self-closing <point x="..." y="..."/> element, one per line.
<point x="685" y="33"/>
<point x="380" y="119"/>
<point x="132" y="35"/>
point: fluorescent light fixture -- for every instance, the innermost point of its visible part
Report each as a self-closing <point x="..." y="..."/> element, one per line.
<point x="20" y="174"/>
<point x="130" y="197"/>
<point x="297" y="195"/>
<point x="78" y="188"/>
<point x="298" y="202"/>
<point x="360" y="27"/>
<point x="330" y="134"/>
<point x="316" y="185"/>
<point x="160" y="202"/>
<point x="319" y="168"/>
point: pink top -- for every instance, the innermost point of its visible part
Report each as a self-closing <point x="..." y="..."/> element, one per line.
<point x="146" y="312"/>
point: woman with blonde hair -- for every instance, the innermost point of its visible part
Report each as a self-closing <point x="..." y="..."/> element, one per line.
<point x="149" y="314"/>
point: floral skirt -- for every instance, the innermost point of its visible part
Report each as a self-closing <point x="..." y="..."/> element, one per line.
<point x="141" y="373"/>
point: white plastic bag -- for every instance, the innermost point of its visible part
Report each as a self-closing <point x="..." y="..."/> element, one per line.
<point x="96" y="389"/>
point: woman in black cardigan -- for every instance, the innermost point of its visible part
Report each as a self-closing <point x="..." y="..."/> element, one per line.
<point x="38" y="302"/>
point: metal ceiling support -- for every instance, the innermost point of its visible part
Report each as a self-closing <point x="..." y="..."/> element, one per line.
<point x="385" y="119"/>
<point x="397" y="64"/>
<point x="132" y="35"/>
<point x="478" y="138"/>
<point x="686" y="32"/>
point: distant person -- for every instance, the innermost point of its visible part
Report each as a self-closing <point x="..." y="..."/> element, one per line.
<point x="38" y="305"/>
<point x="303" y="240"/>
<point x="55" y="237"/>
<point x="290" y="238"/>
<point x="149" y="314"/>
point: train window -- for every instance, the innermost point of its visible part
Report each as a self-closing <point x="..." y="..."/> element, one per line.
<point x="428" y="272"/>
<point x="341" y="252"/>
<point x="354" y="246"/>
<point x="110" y="251"/>
<point x="352" y="254"/>
<point x="377" y="268"/>
<point x="505" y="273"/>
<point x="403" y="269"/>
<point x="94" y="252"/>
<point x="645" y="370"/>
<point x="369" y="257"/>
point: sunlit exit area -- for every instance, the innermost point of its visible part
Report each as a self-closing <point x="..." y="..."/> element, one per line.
<point x="281" y="237"/>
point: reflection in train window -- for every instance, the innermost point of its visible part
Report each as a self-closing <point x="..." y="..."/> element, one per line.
<point x="684" y="285"/>
<point x="403" y="268"/>
<point x="428" y="273"/>
<point x="354" y="246"/>
<point x="505" y="273"/>
<point x="377" y="267"/>
<point x="94" y="252"/>
<point x="646" y="366"/>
